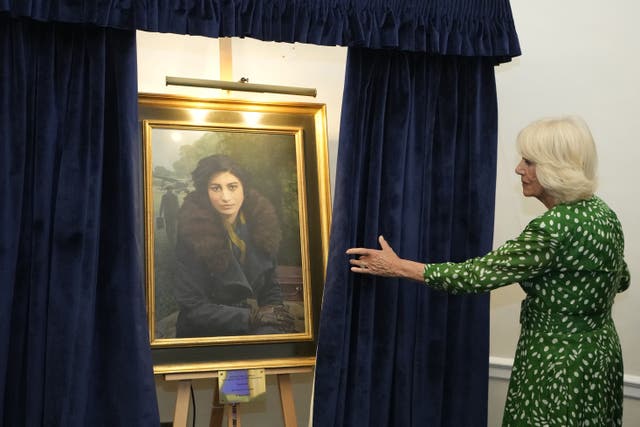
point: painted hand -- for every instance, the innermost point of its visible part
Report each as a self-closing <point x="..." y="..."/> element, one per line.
<point x="276" y="316"/>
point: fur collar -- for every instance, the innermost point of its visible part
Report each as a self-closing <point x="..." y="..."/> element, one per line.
<point x="200" y="228"/>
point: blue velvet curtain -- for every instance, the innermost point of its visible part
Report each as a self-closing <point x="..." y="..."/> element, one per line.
<point x="416" y="164"/>
<point x="73" y="339"/>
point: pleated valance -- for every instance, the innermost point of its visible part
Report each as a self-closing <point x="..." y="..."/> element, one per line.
<point x="445" y="27"/>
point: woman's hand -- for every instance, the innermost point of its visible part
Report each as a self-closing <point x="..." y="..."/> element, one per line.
<point x="381" y="262"/>
<point x="384" y="262"/>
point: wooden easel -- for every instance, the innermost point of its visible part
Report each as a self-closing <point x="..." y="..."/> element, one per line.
<point x="181" y="412"/>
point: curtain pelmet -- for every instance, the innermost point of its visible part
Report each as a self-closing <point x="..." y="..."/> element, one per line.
<point x="466" y="28"/>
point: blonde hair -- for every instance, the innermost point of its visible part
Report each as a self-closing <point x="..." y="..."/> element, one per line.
<point x="563" y="150"/>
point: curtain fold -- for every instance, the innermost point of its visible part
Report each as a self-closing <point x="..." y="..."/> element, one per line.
<point x="447" y="27"/>
<point x="73" y="337"/>
<point x="416" y="163"/>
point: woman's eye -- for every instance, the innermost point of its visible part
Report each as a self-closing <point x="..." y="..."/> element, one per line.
<point x="233" y="187"/>
<point x="215" y="188"/>
<point x="527" y="162"/>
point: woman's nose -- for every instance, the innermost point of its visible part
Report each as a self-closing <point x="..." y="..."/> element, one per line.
<point x="519" y="169"/>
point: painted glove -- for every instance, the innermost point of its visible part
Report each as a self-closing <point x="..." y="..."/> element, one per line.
<point x="273" y="316"/>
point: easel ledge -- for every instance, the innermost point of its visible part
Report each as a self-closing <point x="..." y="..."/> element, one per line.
<point x="171" y="371"/>
<point x="204" y="371"/>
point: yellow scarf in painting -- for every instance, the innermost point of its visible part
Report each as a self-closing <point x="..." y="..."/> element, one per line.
<point x="234" y="239"/>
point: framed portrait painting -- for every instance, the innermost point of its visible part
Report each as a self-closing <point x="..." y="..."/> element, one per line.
<point x="236" y="214"/>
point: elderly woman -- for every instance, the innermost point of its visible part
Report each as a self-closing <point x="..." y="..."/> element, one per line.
<point x="228" y="238"/>
<point x="570" y="263"/>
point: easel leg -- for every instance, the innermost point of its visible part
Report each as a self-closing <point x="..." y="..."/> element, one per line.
<point x="233" y="415"/>
<point x="286" y="400"/>
<point x="182" y="404"/>
<point x="217" y="410"/>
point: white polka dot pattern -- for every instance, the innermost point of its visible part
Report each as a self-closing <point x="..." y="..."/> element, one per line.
<point x="568" y="365"/>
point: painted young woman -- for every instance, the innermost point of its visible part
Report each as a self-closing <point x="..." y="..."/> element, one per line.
<point x="228" y="239"/>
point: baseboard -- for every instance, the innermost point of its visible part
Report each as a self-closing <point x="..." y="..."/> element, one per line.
<point x="500" y="367"/>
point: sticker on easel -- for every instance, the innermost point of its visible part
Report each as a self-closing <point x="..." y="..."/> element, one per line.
<point x="241" y="385"/>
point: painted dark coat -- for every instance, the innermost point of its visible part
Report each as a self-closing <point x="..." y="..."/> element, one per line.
<point x="212" y="286"/>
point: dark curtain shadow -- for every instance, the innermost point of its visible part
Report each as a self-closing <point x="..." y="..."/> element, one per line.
<point x="416" y="164"/>
<point x="73" y="336"/>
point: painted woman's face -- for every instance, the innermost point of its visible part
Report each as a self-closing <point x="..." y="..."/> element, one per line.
<point x="226" y="195"/>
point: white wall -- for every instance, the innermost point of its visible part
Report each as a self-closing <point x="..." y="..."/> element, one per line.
<point x="579" y="57"/>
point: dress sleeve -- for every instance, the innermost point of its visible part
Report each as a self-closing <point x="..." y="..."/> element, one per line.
<point x="625" y="278"/>
<point x="529" y="255"/>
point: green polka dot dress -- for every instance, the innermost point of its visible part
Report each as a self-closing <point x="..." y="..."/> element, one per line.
<point x="568" y="365"/>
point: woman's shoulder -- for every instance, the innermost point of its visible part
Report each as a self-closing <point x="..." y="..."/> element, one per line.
<point x="562" y="216"/>
<point x="582" y="210"/>
<point x="566" y="218"/>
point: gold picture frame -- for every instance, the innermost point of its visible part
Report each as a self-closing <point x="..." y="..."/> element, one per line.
<point x="206" y="307"/>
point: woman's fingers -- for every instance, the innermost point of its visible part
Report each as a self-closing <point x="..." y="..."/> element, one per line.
<point x="357" y="251"/>
<point x="379" y="262"/>
<point x="385" y="246"/>
<point x="369" y="261"/>
<point x="359" y="266"/>
<point x="383" y="243"/>
<point x="367" y="251"/>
